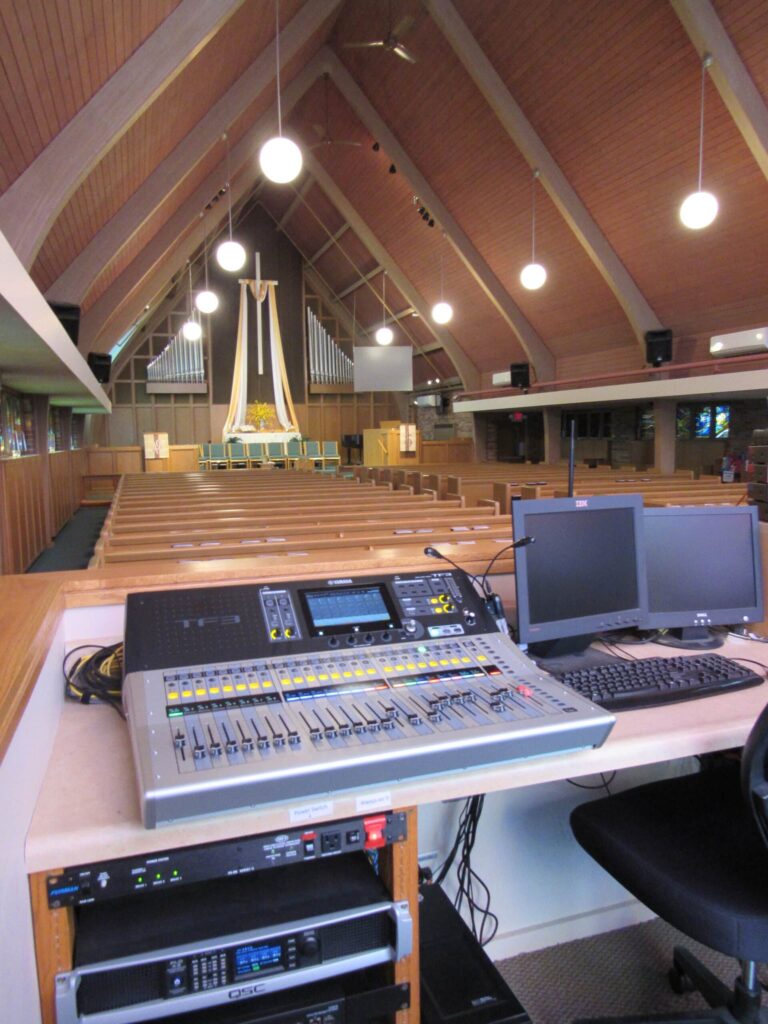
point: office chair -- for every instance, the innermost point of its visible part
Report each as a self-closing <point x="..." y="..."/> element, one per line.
<point x="695" y="850"/>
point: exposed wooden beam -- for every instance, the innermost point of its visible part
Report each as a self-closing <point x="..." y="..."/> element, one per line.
<point x="359" y="282"/>
<point x="537" y="352"/>
<point x="465" y="367"/>
<point x="327" y="244"/>
<point x="139" y="283"/>
<point x="733" y="81"/>
<point x="638" y="311"/>
<point x="323" y="289"/>
<point x="297" y="202"/>
<point x="73" y="284"/>
<point x="30" y="206"/>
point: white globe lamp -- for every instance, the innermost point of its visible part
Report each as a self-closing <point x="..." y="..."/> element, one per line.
<point x="384" y="336"/>
<point x="207" y="301"/>
<point x="230" y="256"/>
<point x="533" y="276"/>
<point x="698" y="210"/>
<point x="280" y="160"/>
<point x="442" y="312"/>
<point x="192" y="330"/>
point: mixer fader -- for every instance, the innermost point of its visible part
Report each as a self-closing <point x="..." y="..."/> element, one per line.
<point x="247" y="694"/>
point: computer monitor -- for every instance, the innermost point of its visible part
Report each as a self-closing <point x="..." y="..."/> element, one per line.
<point x="704" y="569"/>
<point x="583" y="574"/>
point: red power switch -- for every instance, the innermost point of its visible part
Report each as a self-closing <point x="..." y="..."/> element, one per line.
<point x="374" y="832"/>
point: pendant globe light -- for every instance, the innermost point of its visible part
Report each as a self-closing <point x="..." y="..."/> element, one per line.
<point x="279" y="158"/>
<point x="442" y="311"/>
<point x="700" y="208"/>
<point x="191" y="328"/>
<point x="230" y="255"/>
<point x="206" y="300"/>
<point x="384" y="335"/>
<point x="533" y="275"/>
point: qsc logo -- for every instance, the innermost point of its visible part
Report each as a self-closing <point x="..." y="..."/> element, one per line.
<point x="202" y="621"/>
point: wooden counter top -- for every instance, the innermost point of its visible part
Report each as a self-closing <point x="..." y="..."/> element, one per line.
<point x="88" y="805"/>
<point x="31" y="609"/>
<point x="32" y="605"/>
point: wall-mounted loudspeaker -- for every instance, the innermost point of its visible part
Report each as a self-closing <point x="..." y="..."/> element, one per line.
<point x="658" y="347"/>
<point x="69" y="316"/>
<point x="100" y="364"/>
<point x="519" y="375"/>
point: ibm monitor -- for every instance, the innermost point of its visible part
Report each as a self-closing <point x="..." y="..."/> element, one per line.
<point x="704" y="569"/>
<point x="584" y="573"/>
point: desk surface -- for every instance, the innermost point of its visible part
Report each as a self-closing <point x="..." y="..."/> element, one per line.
<point x="88" y="806"/>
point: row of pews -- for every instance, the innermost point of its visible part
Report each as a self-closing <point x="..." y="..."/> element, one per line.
<point x="482" y="483"/>
<point x="316" y="519"/>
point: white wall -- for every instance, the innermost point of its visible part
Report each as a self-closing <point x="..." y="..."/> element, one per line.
<point x="544" y="889"/>
<point x="21" y="773"/>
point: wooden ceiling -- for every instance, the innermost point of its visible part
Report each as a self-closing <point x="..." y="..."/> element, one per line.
<point x="112" y="117"/>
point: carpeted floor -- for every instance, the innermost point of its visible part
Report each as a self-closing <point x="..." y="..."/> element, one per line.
<point x="74" y="543"/>
<point x="620" y="972"/>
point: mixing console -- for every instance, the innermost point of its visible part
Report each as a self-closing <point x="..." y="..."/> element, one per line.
<point x="242" y="695"/>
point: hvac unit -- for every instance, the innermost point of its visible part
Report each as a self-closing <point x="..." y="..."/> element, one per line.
<point x="740" y="343"/>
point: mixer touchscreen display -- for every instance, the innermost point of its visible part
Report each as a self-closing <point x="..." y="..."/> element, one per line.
<point x="344" y="609"/>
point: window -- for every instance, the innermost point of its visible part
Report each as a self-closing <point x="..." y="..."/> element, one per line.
<point x="55" y="429"/>
<point x="17" y="432"/>
<point x="588" y="424"/>
<point x="77" y="431"/>
<point x="703" y="422"/>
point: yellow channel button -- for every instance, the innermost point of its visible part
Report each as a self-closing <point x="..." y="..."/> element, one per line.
<point x="186" y="693"/>
<point x="200" y="692"/>
<point x="173" y="696"/>
<point x="322" y="676"/>
<point x="240" y="687"/>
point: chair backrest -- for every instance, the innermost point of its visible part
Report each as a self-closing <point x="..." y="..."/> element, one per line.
<point x="256" y="450"/>
<point x="276" y="449"/>
<point x="236" y="450"/>
<point x="218" y="451"/>
<point x="754" y="778"/>
<point x="293" y="448"/>
<point x="330" y="448"/>
<point x="204" y="450"/>
<point x="312" y="449"/>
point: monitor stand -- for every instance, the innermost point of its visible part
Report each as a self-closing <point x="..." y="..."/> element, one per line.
<point x="690" y="638"/>
<point x="568" y="654"/>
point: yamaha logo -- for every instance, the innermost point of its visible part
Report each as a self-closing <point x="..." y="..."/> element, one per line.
<point x="208" y="620"/>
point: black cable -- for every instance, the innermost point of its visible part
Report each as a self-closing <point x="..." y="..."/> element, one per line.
<point x="97" y="676"/>
<point x="604" y="784"/>
<point x="472" y="890"/>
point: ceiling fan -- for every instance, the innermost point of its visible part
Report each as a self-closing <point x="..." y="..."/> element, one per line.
<point x="391" y="41"/>
<point x="326" y="139"/>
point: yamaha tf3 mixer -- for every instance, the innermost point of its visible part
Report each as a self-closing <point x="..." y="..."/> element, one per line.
<point x="242" y="695"/>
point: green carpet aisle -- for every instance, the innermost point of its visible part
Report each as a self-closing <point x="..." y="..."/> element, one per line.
<point x="73" y="545"/>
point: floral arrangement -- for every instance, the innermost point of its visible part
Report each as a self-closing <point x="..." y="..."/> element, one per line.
<point x="260" y="415"/>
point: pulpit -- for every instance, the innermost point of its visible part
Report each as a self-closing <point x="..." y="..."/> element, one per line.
<point x="392" y="446"/>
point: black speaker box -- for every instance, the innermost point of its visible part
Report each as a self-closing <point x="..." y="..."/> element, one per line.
<point x="459" y="982"/>
<point x="100" y="364"/>
<point x="520" y="375"/>
<point x="658" y="347"/>
<point x="69" y="317"/>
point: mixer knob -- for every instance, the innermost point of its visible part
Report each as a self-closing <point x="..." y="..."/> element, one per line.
<point x="409" y="625"/>
<point x="309" y="946"/>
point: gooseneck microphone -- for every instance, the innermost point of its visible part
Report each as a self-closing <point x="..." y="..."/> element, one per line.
<point x="522" y="543"/>
<point x="434" y="553"/>
<point x="492" y="601"/>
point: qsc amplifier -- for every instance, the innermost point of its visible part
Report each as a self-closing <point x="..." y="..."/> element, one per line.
<point x="144" y="958"/>
<point x="242" y="695"/>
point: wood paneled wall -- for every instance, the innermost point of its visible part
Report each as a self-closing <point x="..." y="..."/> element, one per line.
<point x="67" y="470"/>
<point x="24" y="533"/>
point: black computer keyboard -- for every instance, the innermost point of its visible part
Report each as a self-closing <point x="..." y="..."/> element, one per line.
<point x="649" y="682"/>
